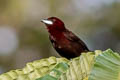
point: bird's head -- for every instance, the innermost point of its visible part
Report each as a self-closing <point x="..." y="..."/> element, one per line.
<point x="54" y="23"/>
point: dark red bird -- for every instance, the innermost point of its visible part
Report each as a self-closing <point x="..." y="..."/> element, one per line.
<point x="64" y="41"/>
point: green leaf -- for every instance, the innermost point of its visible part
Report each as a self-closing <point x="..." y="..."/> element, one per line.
<point x="55" y="68"/>
<point x="33" y="70"/>
<point x="62" y="67"/>
<point x="80" y="67"/>
<point x="56" y="72"/>
<point x="47" y="77"/>
<point x="106" y="67"/>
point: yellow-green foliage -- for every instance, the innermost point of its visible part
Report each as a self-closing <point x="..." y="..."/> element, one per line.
<point x="75" y="69"/>
<point x="33" y="70"/>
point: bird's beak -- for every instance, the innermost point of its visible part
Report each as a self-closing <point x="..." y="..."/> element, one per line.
<point x="49" y="22"/>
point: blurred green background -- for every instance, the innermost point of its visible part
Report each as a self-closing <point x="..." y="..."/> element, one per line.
<point x="23" y="38"/>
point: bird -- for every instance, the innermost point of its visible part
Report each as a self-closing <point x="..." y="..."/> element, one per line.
<point x="66" y="43"/>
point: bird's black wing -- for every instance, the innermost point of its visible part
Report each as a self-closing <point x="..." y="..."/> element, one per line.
<point x="69" y="35"/>
<point x="72" y="37"/>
